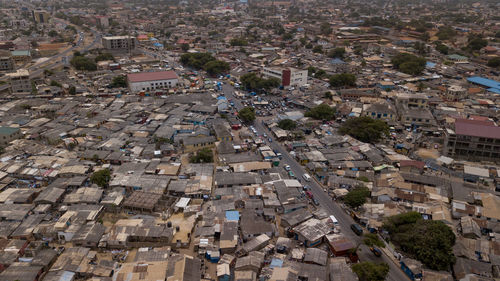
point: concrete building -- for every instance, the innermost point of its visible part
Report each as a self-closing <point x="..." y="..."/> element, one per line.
<point x="290" y="77"/>
<point x="40" y="16"/>
<point x="151" y="81"/>
<point x="20" y="81"/>
<point x="119" y="43"/>
<point x="6" y="63"/>
<point x="473" y="140"/>
<point x="8" y="134"/>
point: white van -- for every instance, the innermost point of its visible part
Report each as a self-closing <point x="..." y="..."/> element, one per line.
<point x="334" y="220"/>
<point x="307" y="177"/>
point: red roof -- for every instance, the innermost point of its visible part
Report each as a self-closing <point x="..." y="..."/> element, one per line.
<point x="477" y="128"/>
<point x="151" y="76"/>
<point x="412" y="163"/>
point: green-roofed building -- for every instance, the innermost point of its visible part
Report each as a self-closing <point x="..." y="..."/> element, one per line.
<point x="8" y="134"/>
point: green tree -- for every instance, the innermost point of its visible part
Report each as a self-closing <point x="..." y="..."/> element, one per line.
<point x="494" y="62"/>
<point x="104" y="57"/>
<point x="119" y="81"/>
<point x="318" y="49"/>
<point x="287" y="124"/>
<point x="337" y="52"/>
<point x="356" y="197"/>
<point x="206" y="62"/>
<point x="443" y="49"/>
<point x="184" y="47"/>
<point x="428" y="241"/>
<point x="54" y="83"/>
<point x="365" y="129"/>
<point x="53" y="33"/>
<point x="370" y="271"/>
<point x="343" y="80"/>
<point x="101" y="177"/>
<point x="247" y="114"/>
<point x="408" y="63"/>
<point x="372" y="240"/>
<point x="446" y="33"/>
<point x="216" y="67"/>
<point x="72" y="90"/>
<point x="238" y="42"/>
<point x="205" y="155"/>
<point x="477" y="43"/>
<point x="321" y="112"/>
<point x="80" y="62"/>
<point x="328" y="95"/>
<point x="325" y="28"/>
<point x="251" y="81"/>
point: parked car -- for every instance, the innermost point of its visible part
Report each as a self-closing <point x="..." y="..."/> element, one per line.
<point x="287" y="167"/>
<point x="315" y="201"/>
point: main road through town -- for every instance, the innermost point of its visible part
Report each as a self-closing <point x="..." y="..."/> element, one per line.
<point x="55" y="61"/>
<point x="333" y="208"/>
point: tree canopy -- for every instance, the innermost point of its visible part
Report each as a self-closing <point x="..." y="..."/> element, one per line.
<point x="103" y="57"/>
<point x="206" y="62"/>
<point x="80" y="62"/>
<point x="372" y="239"/>
<point x="119" y="82"/>
<point x="251" y="81"/>
<point x="247" y="114"/>
<point x="428" y="241"/>
<point x="365" y="129"/>
<point x="443" y="49"/>
<point x="494" y="62"/>
<point x="204" y="155"/>
<point x="476" y="43"/>
<point x="287" y="124"/>
<point x="325" y="28"/>
<point x="321" y="112"/>
<point x="238" y="42"/>
<point x="408" y="63"/>
<point x="343" y="80"/>
<point x="101" y="177"/>
<point x="446" y="33"/>
<point x="356" y="197"/>
<point x="370" y="271"/>
<point x="337" y="52"/>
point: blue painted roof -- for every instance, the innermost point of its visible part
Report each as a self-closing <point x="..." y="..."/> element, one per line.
<point x="232" y="215"/>
<point x="430" y="64"/>
<point x="494" y="90"/>
<point x="276" y="263"/>
<point x="337" y="61"/>
<point x="494" y="86"/>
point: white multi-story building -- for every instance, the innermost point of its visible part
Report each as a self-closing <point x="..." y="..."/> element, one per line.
<point x="290" y="77"/>
<point x="152" y="81"/>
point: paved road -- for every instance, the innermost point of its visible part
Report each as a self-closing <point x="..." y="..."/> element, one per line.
<point x="55" y="61"/>
<point x="333" y="208"/>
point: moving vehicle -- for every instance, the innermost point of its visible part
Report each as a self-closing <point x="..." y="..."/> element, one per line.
<point x="356" y="228"/>
<point x="287" y="168"/>
<point x="315" y="201"/>
<point x="334" y="220"/>
<point x="307" y="177"/>
<point x="377" y="252"/>
<point x="291" y="174"/>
